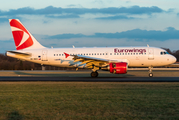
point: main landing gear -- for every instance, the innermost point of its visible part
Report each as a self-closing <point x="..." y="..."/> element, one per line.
<point x="94" y="74"/>
<point x="150" y="72"/>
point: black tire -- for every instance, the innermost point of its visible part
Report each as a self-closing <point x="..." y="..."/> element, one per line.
<point x="94" y="74"/>
<point x="150" y="74"/>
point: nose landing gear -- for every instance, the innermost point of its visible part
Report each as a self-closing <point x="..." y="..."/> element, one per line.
<point x="150" y="72"/>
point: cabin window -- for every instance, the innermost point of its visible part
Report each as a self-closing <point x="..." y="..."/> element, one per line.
<point x="95" y="54"/>
<point x="54" y="54"/>
<point x="59" y="54"/>
<point x="89" y="53"/>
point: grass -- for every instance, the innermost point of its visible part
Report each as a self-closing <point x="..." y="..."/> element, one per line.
<point x="88" y="100"/>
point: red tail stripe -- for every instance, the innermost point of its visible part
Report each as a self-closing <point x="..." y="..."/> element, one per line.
<point x="15" y="23"/>
<point x="18" y="35"/>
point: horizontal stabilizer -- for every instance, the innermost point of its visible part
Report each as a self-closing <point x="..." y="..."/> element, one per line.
<point x="20" y="53"/>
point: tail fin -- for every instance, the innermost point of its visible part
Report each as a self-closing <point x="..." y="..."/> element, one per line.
<point x="22" y="37"/>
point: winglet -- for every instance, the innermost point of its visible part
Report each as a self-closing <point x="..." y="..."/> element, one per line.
<point x="66" y="55"/>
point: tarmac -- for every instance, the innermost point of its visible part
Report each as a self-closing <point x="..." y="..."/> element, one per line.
<point x="133" y="75"/>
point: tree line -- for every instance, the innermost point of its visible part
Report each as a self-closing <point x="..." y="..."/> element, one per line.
<point x="9" y="63"/>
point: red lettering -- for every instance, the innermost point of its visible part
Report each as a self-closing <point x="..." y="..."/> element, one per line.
<point x="130" y="50"/>
<point x="121" y="51"/>
<point x="116" y="50"/>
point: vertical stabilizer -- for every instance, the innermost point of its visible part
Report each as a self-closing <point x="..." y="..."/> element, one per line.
<point x="22" y="37"/>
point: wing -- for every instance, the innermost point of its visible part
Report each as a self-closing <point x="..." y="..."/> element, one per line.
<point x="92" y="62"/>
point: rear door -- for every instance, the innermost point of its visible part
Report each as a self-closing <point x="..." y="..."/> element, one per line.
<point x="44" y="55"/>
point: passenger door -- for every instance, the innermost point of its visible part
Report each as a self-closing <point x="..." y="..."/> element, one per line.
<point x="151" y="54"/>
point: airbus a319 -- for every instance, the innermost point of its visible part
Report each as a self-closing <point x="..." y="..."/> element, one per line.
<point x="114" y="59"/>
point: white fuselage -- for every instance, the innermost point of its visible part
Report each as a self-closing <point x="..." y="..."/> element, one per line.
<point x="134" y="56"/>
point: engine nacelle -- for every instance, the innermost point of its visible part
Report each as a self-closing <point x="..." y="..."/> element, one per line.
<point x="118" y="68"/>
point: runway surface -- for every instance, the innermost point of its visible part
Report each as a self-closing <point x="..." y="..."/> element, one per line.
<point x="89" y="79"/>
<point x="84" y="76"/>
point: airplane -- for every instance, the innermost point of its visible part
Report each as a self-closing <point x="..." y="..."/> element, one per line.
<point x="116" y="60"/>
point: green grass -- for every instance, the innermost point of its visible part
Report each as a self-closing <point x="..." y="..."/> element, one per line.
<point x="88" y="100"/>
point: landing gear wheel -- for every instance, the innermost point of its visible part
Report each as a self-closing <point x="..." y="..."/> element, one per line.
<point x="150" y="74"/>
<point x="94" y="74"/>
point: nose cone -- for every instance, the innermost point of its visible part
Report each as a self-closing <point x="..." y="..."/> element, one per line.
<point x="173" y="59"/>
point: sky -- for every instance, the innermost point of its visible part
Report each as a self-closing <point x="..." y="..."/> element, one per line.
<point x="93" y="23"/>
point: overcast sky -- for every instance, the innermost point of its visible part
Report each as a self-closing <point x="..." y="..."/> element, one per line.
<point x="89" y="23"/>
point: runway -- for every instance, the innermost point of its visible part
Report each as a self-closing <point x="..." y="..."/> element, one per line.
<point x="84" y="76"/>
<point x="89" y="79"/>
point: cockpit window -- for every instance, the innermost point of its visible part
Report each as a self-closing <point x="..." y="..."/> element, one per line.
<point x="163" y="53"/>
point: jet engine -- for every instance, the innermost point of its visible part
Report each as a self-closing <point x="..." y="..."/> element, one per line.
<point x="118" y="68"/>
